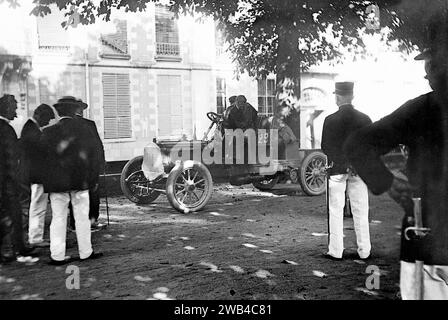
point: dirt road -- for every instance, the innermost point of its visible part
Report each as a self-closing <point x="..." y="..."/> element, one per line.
<point x="246" y="244"/>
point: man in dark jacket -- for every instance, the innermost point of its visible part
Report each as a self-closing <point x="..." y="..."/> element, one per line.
<point x="242" y="116"/>
<point x="337" y="127"/>
<point x="420" y="124"/>
<point x="68" y="179"/>
<point x="32" y="167"/>
<point x="97" y="166"/>
<point x="232" y="105"/>
<point x="10" y="211"/>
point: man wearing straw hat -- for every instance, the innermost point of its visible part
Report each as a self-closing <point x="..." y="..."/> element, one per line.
<point x="68" y="178"/>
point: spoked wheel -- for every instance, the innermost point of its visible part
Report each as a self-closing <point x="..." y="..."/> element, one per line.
<point x="189" y="186"/>
<point x="134" y="184"/>
<point x="312" y="174"/>
<point x="266" y="185"/>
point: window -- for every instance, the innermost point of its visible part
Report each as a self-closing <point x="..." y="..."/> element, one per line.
<point x="266" y="96"/>
<point x="115" y="45"/>
<point x="117" y="106"/>
<point x="68" y="83"/>
<point x="51" y="35"/>
<point x="45" y="94"/>
<point x="167" y="33"/>
<point x="220" y="95"/>
<point x="169" y="107"/>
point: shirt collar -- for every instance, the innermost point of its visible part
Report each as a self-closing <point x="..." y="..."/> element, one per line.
<point x="346" y="105"/>
<point x="37" y="124"/>
<point x="3" y="118"/>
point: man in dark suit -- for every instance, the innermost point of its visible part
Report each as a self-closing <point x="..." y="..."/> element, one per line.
<point x="242" y="116"/>
<point x="32" y="167"/>
<point x="10" y="211"/>
<point x="250" y="115"/>
<point x="68" y="178"/>
<point x="420" y="124"/>
<point x="337" y="127"/>
<point x="232" y="105"/>
<point x="97" y="165"/>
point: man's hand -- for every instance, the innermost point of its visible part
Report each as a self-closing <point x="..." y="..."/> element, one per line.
<point x="402" y="191"/>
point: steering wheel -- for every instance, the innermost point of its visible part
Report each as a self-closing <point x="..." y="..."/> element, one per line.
<point x="214" y="117"/>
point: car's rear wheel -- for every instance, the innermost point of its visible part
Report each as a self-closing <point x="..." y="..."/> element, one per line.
<point x="312" y="174"/>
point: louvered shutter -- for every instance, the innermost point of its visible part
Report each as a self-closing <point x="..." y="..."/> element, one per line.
<point x="117" y="106"/>
<point x="169" y="106"/>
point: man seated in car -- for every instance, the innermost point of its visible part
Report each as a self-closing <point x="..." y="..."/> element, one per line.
<point x="242" y="116"/>
<point x="278" y="122"/>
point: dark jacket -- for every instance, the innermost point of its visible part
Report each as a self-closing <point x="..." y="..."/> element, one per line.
<point x="243" y="117"/>
<point x="337" y="127"/>
<point x="9" y="165"/>
<point x="99" y="158"/>
<point x="418" y="124"/>
<point x="250" y="116"/>
<point x="70" y="156"/>
<point x="32" y="155"/>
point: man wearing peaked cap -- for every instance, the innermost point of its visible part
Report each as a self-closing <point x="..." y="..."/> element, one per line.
<point x="421" y="125"/>
<point x="337" y="128"/>
<point x="344" y="88"/>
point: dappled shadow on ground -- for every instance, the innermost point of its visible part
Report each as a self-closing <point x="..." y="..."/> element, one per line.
<point x="244" y="245"/>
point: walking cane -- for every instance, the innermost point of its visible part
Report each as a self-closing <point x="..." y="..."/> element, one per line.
<point x="327" y="191"/>
<point x="105" y="193"/>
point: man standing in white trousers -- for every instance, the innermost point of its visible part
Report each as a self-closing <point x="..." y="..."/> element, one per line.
<point x="31" y="162"/>
<point x="337" y="127"/>
<point x="69" y="176"/>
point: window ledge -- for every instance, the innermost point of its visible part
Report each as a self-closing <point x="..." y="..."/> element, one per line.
<point x="122" y="140"/>
<point x="168" y="58"/>
<point x="115" y="56"/>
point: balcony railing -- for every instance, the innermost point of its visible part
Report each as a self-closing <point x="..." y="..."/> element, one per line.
<point x="54" y="48"/>
<point x="168" y="49"/>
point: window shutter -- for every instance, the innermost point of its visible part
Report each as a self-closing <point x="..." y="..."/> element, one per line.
<point x="50" y="32"/>
<point x="169" y="106"/>
<point x="117" y="106"/>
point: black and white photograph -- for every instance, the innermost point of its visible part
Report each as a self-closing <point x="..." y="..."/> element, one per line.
<point x="229" y="152"/>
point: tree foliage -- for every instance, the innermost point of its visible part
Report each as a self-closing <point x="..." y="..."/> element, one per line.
<point x="254" y="28"/>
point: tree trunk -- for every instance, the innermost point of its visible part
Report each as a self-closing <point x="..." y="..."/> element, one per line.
<point x="288" y="75"/>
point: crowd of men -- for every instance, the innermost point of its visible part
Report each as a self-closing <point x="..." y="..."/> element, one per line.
<point x="60" y="163"/>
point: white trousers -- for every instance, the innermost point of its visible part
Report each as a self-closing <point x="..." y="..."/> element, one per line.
<point x="359" y="202"/>
<point x="38" y="208"/>
<point x="58" y="227"/>
<point x="435" y="282"/>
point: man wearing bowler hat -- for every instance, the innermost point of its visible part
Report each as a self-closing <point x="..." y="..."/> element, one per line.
<point x="337" y="128"/>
